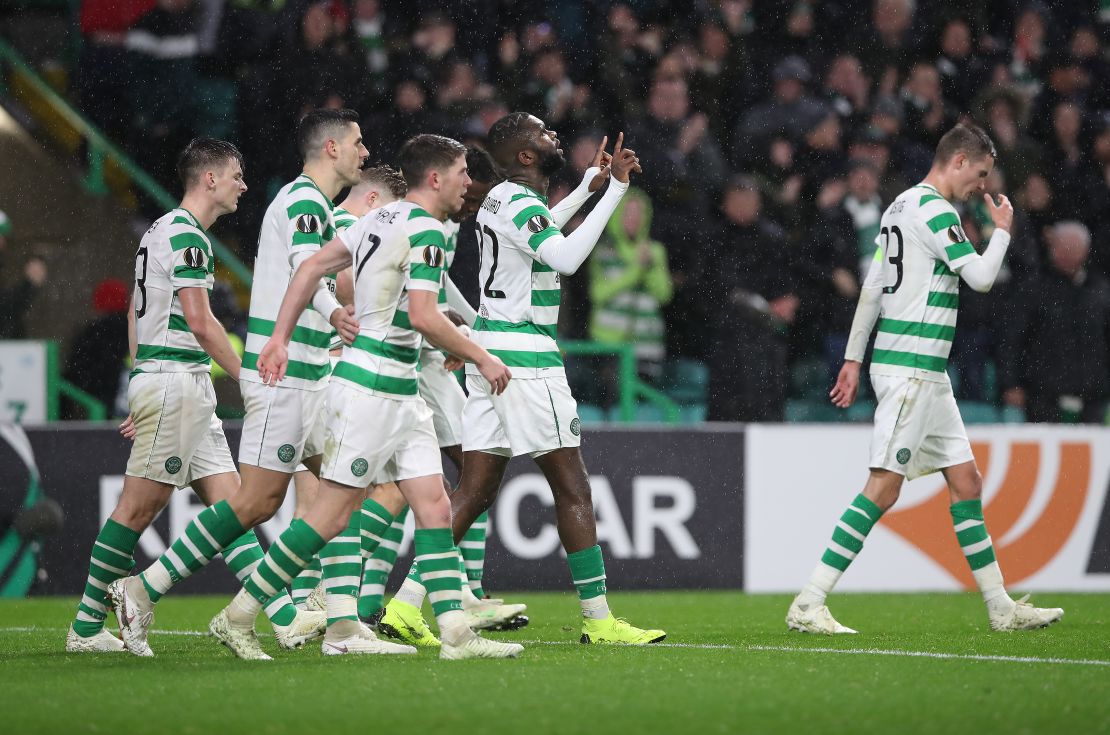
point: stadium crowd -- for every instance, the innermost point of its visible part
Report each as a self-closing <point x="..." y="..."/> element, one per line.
<point x="772" y="135"/>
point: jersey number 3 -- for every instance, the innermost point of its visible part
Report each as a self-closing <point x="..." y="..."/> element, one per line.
<point x="895" y="259"/>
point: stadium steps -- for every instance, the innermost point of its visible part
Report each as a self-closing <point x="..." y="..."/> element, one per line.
<point x="83" y="239"/>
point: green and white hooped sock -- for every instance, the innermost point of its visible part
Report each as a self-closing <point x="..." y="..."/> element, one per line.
<point x="376" y="570"/>
<point x="341" y="563"/>
<point x="847" y="541"/>
<point x="111" y="559"/>
<point x="206" y="535"/>
<point x="412" y="589"/>
<point x="473" y="550"/>
<point x="305" y="582"/>
<point x="438" y="562"/>
<point x="975" y="542"/>
<point x="587" y="569"/>
<point x="287" y="556"/>
<point x="242" y="557"/>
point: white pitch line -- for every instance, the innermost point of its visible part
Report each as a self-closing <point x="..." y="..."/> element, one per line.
<point x="728" y="647"/>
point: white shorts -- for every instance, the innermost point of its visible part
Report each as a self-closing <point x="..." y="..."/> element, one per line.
<point x="533" y="416"/>
<point x="918" y="429"/>
<point x="375" y="440"/>
<point x="178" y="438"/>
<point x="444" y="396"/>
<point x="282" y="425"/>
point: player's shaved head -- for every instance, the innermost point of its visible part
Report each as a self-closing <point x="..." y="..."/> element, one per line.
<point x="512" y="134"/>
<point x="970" y="140"/>
<point x="481" y="166"/>
<point x="384" y="179"/>
<point x="319" y="126"/>
<point x="426" y="153"/>
<point x="205" y="154"/>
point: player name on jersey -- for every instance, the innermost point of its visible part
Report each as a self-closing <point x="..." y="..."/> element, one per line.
<point x="174" y="253"/>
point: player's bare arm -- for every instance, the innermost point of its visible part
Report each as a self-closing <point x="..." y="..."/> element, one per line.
<point x="844" y="392"/>
<point x="427" y="319"/>
<point x="207" y="329"/>
<point x="274" y="358"/>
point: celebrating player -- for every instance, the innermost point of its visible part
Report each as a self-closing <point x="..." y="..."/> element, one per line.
<point x="178" y="440"/>
<point x="284" y="423"/>
<point x="397" y="255"/>
<point x="523" y="256"/>
<point x="912" y="291"/>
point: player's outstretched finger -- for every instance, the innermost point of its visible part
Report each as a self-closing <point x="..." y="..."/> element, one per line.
<point x="599" y="157"/>
<point x="619" y="144"/>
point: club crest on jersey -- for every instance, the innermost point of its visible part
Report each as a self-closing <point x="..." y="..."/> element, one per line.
<point x="538" y="223"/>
<point x="956" y="234"/>
<point x="194" y="257"/>
<point x="433" y="256"/>
<point x="308" y="224"/>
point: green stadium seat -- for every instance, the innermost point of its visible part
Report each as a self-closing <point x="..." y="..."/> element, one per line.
<point x="802" y="411"/>
<point x="591" y="414"/>
<point x="686" y="381"/>
<point x="979" y="412"/>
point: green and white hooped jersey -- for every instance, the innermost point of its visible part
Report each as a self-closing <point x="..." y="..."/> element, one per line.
<point x="173" y="254"/>
<point x="922" y="247"/>
<point x="297" y="223"/>
<point x="343" y="220"/>
<point x="395" y="249"/>
<point x="451" y="237"/>
<point x="520" y="294"/>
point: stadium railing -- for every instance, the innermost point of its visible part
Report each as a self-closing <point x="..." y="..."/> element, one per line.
<point x="631" y="388"/>
<point x="57" y="387"/>
<point x="100" y="150"/>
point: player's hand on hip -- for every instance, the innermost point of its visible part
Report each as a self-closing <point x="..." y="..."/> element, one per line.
<point x="1002" y="214"/>
<point x="127" y="429"/>
<point x="603" y="161"/>
<point x="624" y="161"/>
<point x="273" y="361"/>
<point x="493" y="370"/>
<point x="343" y="319"/>
<point x="453" y="363"/>
<point x="844" y="392"/>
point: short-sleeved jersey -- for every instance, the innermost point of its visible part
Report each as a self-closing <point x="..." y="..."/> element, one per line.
<point x="395" y="249"/>
<point x="297" y="223"/>
<point x="520" y="295"/>
<point x="922" y="247"/>
<point x="175" y="253"/>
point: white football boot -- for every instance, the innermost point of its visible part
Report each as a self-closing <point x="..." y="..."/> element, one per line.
<point x="364" y="642"/>
<point x="134" y="619"/>
<point x="102" y="642"/>
<point x="811" y="618"/>
<point x="486" y="614"/>
<point x="1024" y="616"/>
<point x="475" y="646"/>
<point x="243" y="642"/>
<point x="307" y="626"/>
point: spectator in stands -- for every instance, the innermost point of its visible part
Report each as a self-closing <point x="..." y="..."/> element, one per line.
<point x="1056" y="360"/>
<point x="165" y="48"/>
<point x="751" y="302"/>
<point x="888" y="44"/>
<point x="782" y="115"/>
<point x="431" y="51"/>
<point x="962" y="71"/>
<point x="847" y="90"/>
<point x="1018" y="154"/>
<point x="927" y="115"/>
<point x="99" y="351"/>
<point x="1067" y="164"/>
<point x="16" y="299"/>
<point x="102" y="79"/>
<point x="629" y="285"/>
<point x="549" y="91"/>
<point x="625" y="64"/>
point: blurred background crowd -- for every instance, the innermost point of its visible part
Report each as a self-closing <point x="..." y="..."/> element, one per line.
<point x="772" y="136"/>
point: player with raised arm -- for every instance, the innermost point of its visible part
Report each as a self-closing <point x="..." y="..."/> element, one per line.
<point x="397" y="255"/>
<point x="178" y="440"/>
<point x="524" y="254"/>
<point x="283" y="423"/>
<point x="402" y="618"/>
<point x="912" y="294"/>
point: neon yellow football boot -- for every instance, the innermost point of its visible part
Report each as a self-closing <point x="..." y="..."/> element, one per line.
<point x="618" y="630"/>
<point x="403" y="622"/>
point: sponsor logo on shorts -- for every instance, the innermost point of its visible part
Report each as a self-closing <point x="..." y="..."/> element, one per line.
<point x="285" y="453"/>
<point x="575" y="426"/>
<point x="903" y="456"/>
<point x="538" y="223"/>
<point x="173" y="465"/>
<point x="308" y="224"/>
<point x="359" y="467"/>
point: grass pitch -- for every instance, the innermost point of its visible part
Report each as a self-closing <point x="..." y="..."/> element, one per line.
<point x="922" y="663"/>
